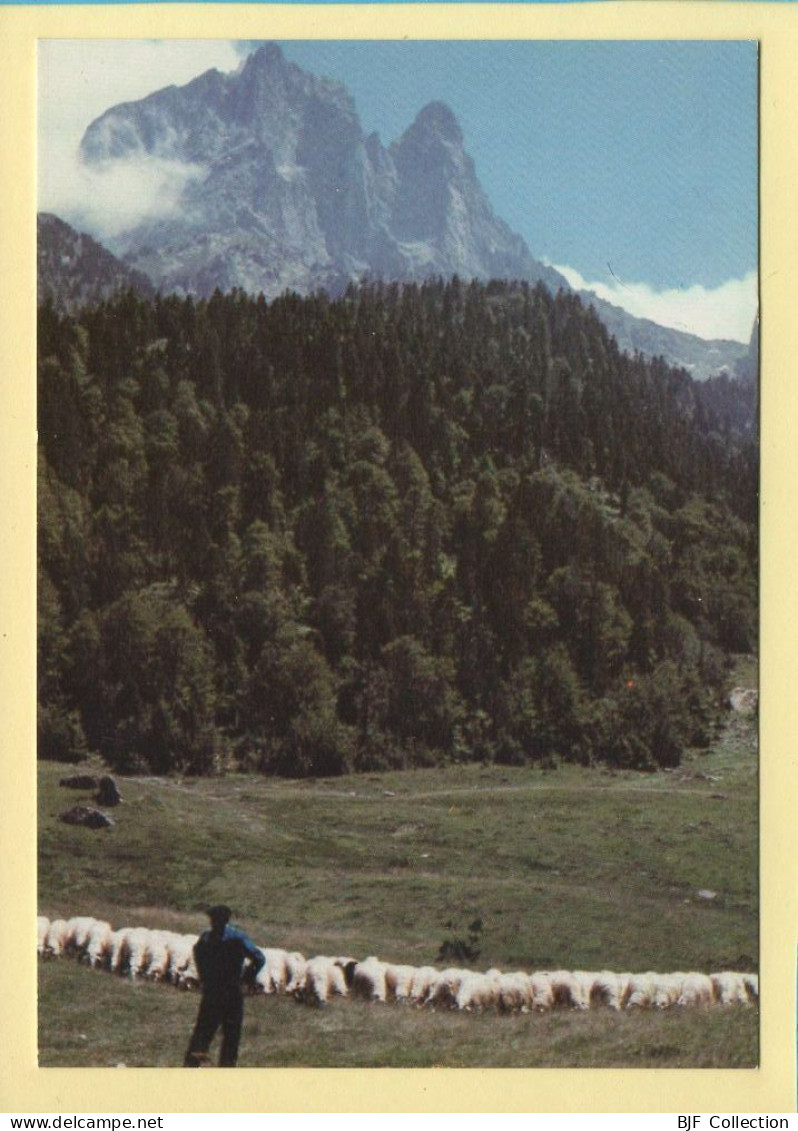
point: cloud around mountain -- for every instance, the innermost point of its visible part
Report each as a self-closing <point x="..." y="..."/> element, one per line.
<point x="727" y="311"/>
<point x="258" y="174"/>
<point x="78" y="83"/>
<point x="109" y="199"/>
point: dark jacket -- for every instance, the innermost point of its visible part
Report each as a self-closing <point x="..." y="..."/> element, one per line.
<point x="220" y="960"/>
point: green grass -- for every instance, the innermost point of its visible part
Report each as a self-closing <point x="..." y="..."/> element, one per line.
<point x="574" y="867"/>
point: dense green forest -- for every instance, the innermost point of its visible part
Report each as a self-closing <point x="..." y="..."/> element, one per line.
<point x="412" y="524"/>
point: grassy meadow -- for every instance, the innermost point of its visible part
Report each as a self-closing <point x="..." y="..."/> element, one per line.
<point x="571" y="867"/>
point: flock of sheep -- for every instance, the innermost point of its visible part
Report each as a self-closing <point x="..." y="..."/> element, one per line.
<point x="164" y="956"/>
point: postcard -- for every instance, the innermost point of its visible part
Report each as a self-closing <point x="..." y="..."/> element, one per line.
<point x="410" y="483"/>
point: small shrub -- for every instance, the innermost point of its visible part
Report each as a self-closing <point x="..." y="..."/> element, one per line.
<point x="459" y="949"/>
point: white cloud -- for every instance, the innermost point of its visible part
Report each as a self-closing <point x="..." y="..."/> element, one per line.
<point x="110" y="199"/>
<point x="725" y="311"/>
<point x="78" y="81"/>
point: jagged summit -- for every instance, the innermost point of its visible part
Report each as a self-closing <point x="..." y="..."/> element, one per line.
<point x="268" y="62"/>
<point x="437" y="118"/>
<point x="267" y="55"/>
<point x="289" y="192"/>
<point x="283" y="190"/>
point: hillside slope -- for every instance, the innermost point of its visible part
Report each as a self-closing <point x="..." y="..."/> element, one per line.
<point x="74" y="270"/>
<point x="570" y="868"/>
<point x="412" y="525"/>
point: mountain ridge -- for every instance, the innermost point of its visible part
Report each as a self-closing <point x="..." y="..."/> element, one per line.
<point x="74" y="270"/>
<point x="287" y="192"/>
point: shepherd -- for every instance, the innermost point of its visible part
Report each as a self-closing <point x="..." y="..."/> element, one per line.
<point x="221" y="955"/>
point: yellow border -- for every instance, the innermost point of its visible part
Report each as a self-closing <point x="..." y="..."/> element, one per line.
<point x="772" y="1088"/>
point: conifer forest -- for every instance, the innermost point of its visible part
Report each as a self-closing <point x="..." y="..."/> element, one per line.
<point x="411" y="525"/>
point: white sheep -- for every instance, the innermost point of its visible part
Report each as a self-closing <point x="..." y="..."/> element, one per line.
<point x="57" y="938"/>
<point x="585" y="984"/>
<point x="139" y="942"/>
<point x="565" y="988"/>
<point x="189" y="978"/>
<point x="642" y="989"/>
<point x="478" y="992"/>
<point x="667" y="990"/>
<point x="696" y="990"/>
<point x="443" y="988"/>
<point x="263" y="983"/>
<point x="182" y="967"/>
<point x="98" y="944"/>
<point x="117" y="950"/>
<point x="610" y="989"/>
<point x="729" y="988"/>
<point x="751" y="983"/>
<point x="398" y="980"/>
<point x="295" y="966"/>
<point x="272" y="978"/>
<point x="368" y="980"/>
<point x="78" y="932"/>
<point x="421" y="982"/>
<point x="281" y="973"/>
<point x="322" y="980"/>
<point x="158" y="956"/>
<point x="542" y="994"/>
<point x="163" y="955"/>
<point x="42" y="927"/>
<point x="129" y="951"/>
<point x="515" y="992"/>
<point x="180" y="951"/>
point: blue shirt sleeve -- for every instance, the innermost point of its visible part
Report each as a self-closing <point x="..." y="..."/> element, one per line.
<point x="253" y="953"/>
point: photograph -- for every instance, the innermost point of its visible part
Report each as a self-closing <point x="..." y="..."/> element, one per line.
<point x="398" y="552"/>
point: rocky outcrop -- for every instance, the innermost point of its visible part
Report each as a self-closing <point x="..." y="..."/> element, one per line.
<point x="747" y="368"/>
<point x="80" y="781"/>
<point x="87" y="817"/>
<point x="108" y="793"/>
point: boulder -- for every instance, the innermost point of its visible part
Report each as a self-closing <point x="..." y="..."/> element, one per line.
<point x="80" y="781"/>
<point x="107" y="793"/>
<point x="88" y="817"/>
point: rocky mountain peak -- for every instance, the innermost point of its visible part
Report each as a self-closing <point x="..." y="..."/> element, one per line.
<point x="438" y="120"/>
<point x="293" y="194"/>
<point x="267" y="71"/>
<point x="434" y="141"/>
<point x="284" y="190"/>
<point x="438" y="190"/>
<point x="267" y="55"/>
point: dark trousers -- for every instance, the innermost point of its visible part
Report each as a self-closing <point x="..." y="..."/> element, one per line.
<point x="227" y="1011"/>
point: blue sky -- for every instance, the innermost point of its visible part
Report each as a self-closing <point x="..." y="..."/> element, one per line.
<point x="631" y="166"/>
